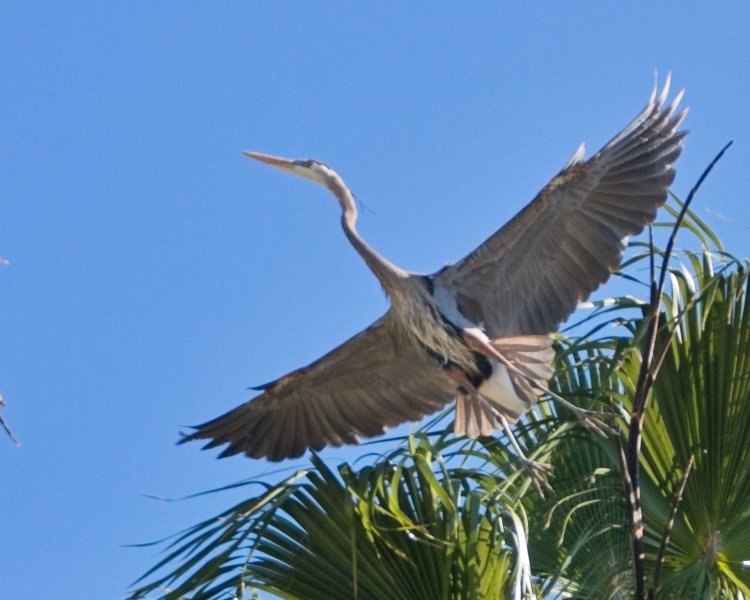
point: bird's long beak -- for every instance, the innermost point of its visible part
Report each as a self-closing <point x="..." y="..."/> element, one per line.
<point x="275" y="161"/>
<point x="307" y="169"/>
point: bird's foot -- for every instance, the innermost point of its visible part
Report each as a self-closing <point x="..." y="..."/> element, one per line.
<point x="539" y="474"/>
<point x="591" y="419"/>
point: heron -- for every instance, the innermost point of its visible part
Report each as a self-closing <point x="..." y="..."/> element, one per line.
<point x="477" y="332"/>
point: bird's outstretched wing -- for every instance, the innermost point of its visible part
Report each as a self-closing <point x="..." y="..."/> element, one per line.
<point x="529" y="276"/>
<point x="372" y="381"/>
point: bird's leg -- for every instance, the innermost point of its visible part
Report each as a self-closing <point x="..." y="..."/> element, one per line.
<point x="479" y="342"/>
<point x="459" y="377"/>
<point x="537" y="471"/>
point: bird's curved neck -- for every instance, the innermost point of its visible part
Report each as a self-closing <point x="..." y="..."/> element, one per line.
<point x="391" y="277"/>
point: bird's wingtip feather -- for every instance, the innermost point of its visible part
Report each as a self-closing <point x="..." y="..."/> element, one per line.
<point x="665" y="89"/>
<point x="577" y="157"/>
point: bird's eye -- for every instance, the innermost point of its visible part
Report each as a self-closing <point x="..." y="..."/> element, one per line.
<point x="304" y="163"/>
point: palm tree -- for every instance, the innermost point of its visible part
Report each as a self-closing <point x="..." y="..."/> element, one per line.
<point x="449" y="518"/>
<point x="694" y="486"/>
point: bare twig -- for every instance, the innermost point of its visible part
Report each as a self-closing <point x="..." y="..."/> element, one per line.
<point x="13" y="438"/>
<point x="635" y="516"/>
<point x="668" y="529"/>
<point x="646" y="378"/>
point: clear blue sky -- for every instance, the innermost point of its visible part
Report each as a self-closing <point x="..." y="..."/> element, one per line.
<point x="156" y="273"/>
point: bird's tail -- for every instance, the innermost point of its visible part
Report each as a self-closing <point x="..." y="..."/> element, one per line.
<point x="512" y="389"/>
<point x="475" y="416"/>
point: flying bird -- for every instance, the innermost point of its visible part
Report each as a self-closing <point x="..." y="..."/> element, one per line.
<point x="478" y="331"/>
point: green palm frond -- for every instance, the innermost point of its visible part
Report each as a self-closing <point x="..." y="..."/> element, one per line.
<point x="408" y="527"/>
<point x="579" y="541"/>
<point x="699" y="409"/>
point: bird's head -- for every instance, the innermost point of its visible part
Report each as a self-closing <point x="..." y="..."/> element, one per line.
<point x="307" y="168"/>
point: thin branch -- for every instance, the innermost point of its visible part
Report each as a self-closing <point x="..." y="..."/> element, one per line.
<point x="3" y="422"/>
<point x="646" y="378"/>
<point x="646" y="375"/>
<point x="668" y="529"/>
<point x="683" y="212"/>
<point x="634" y="512"/>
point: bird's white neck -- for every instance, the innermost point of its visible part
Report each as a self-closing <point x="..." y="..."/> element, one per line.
<point x="390" y="276"/>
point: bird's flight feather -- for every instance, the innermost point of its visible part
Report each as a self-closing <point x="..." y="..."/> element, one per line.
<point x="529" y="276"/>
<point x="368" y="383"/>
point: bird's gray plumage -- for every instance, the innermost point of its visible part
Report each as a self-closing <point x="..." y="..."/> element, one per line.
<point x="368" y="383"/>
<point x="529" y="276"/>
<point x="492" y="310"/>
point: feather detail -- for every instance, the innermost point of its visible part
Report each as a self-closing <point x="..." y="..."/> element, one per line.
<point x="512" y="388"/>
<point x="528" y="277"/>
